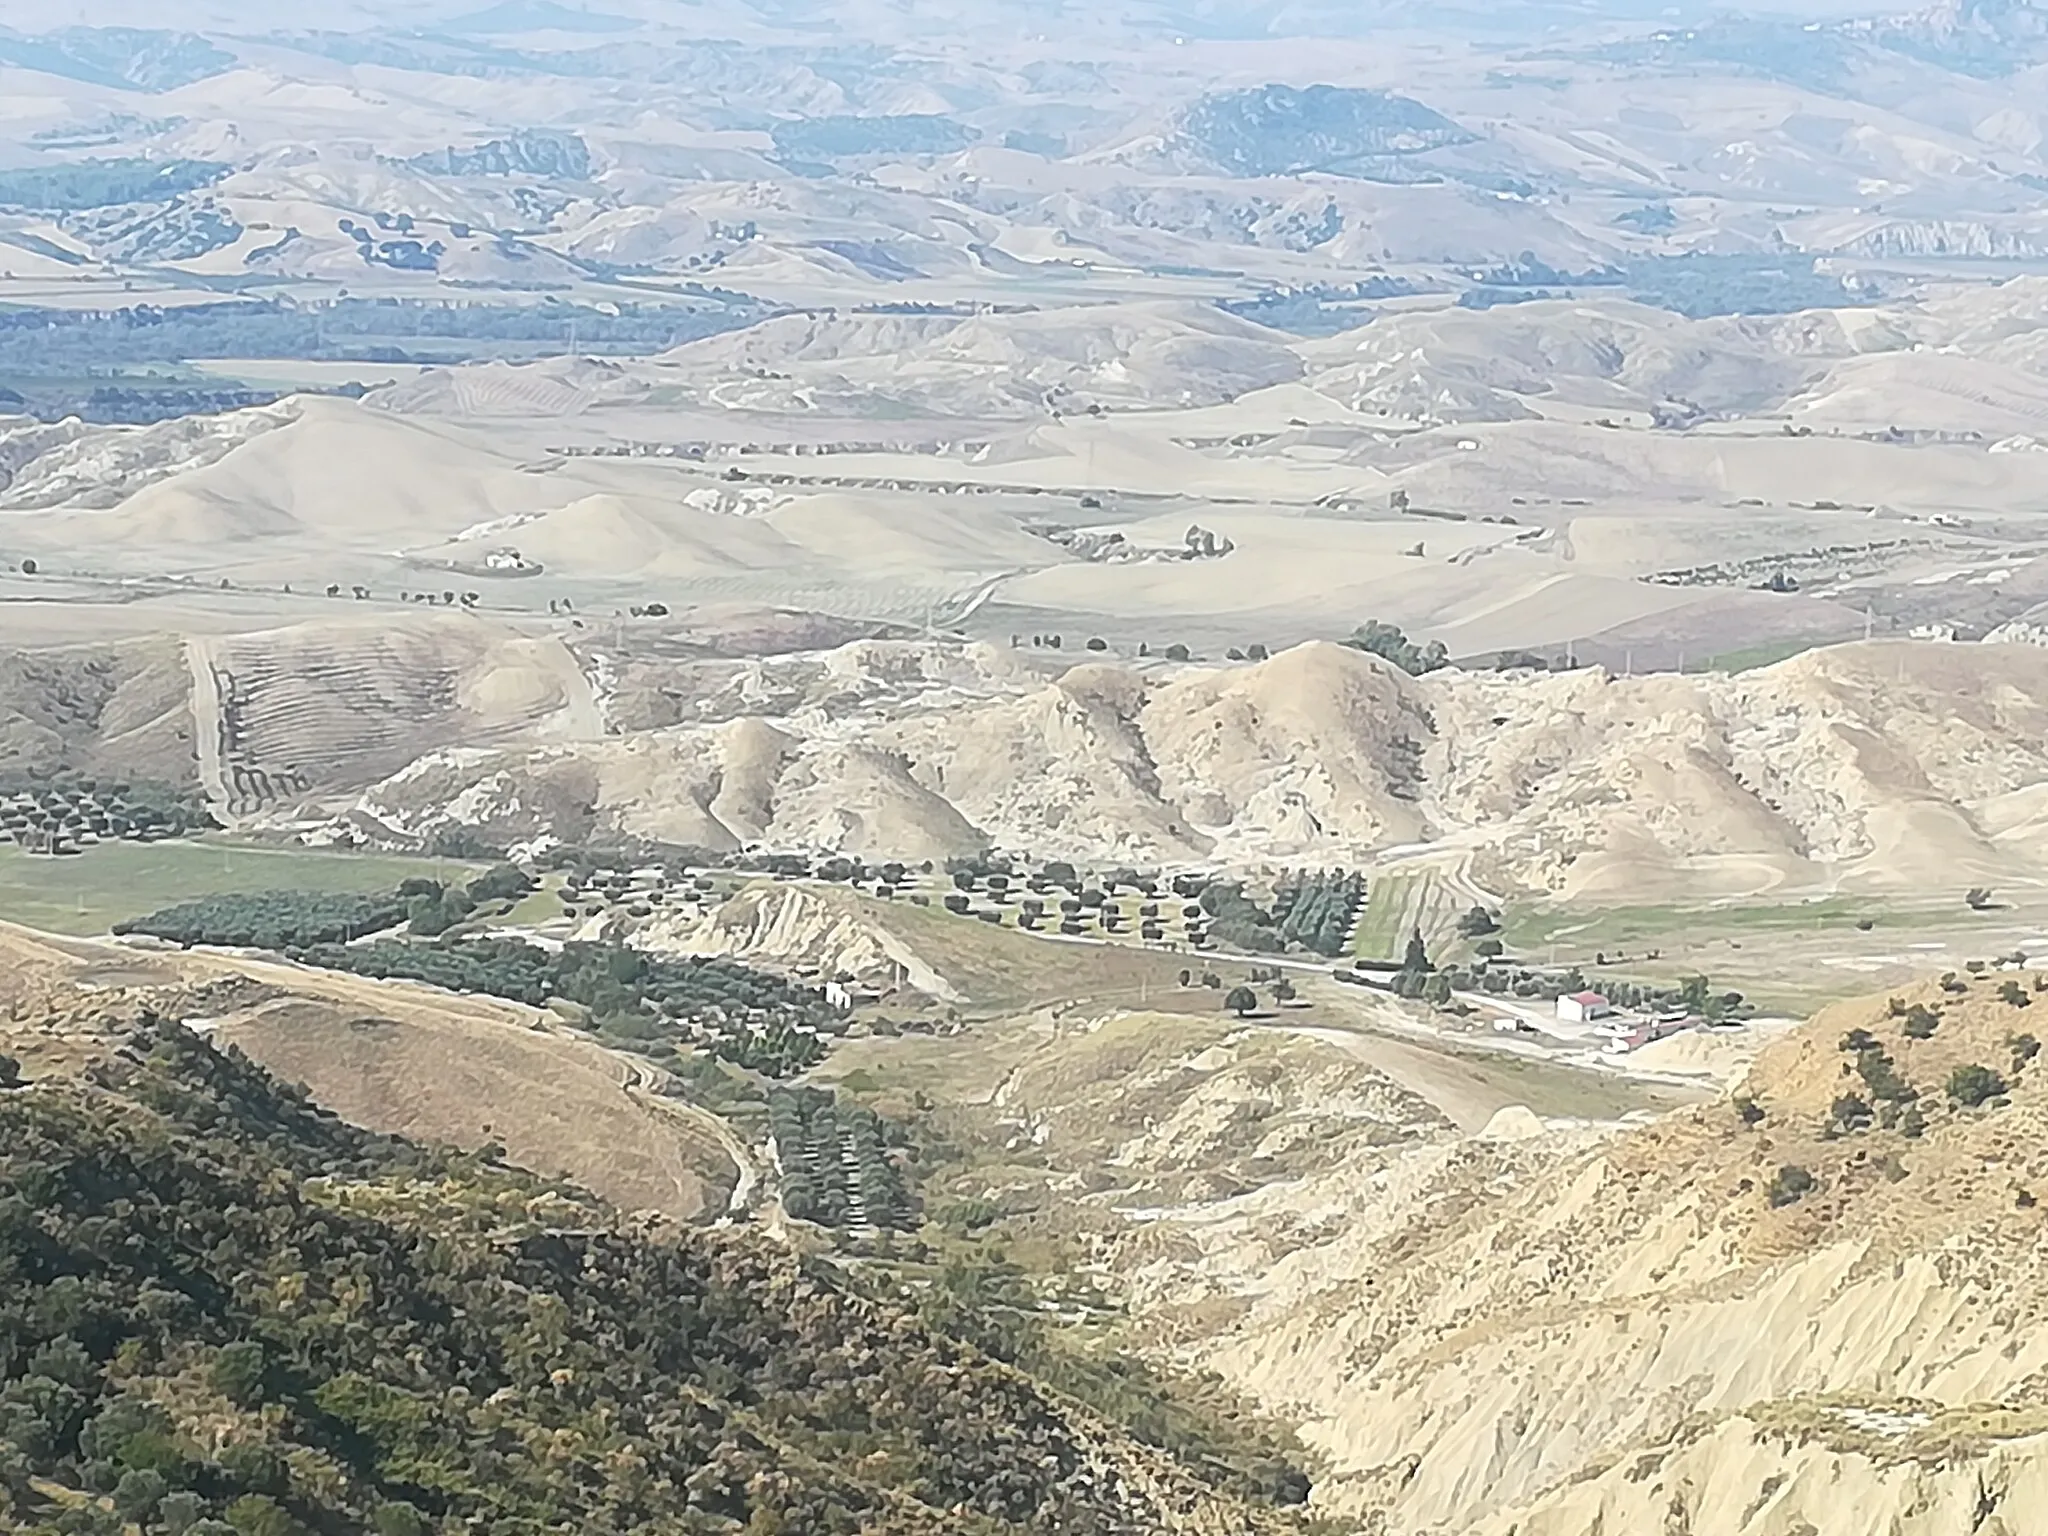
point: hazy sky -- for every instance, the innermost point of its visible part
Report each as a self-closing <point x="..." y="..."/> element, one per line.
<point x="1258" y="17"/>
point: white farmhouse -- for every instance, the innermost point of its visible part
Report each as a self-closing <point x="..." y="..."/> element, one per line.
<point x="1583" y="1007"/>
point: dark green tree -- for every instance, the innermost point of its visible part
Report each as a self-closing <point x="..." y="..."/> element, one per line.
<point x="1416" y="956"/>
<point x="238" y="1372"/>
<point x="399" y="1519"/>
<point x="180" y="1511"/>
<point x="138" y="1492"/>
<point x="1790" y="1184"/>
<point x="1974" y="1085"/>
<point x="1387" y="642"/>
<point x="1478" y="922"/>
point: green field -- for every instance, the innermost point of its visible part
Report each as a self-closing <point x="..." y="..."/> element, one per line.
<point x="1530" y="928"/>
<point x="1749" y="658"/>
<point x="540" y="905"/>
<point x="1786" y="955"/>
<point x="1384" y="927"/>
<point x="88" y="893"/>
<point x="1397" y="905"/>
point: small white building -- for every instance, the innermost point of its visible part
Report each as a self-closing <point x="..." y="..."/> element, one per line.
<point x="1641" y="1032"/>
<point x="1583" y="1007"/>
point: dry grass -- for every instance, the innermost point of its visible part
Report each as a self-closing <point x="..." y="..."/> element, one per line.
<point x="1005" y="971"/>
<point x="559" y="1106"/>
<point x="400" y="1058"/>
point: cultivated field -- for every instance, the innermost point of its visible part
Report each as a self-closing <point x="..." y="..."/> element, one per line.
<point x="1788" y="956"/>
<point x="87" y="893"/>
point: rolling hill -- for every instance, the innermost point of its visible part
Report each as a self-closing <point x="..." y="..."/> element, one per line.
<point x="1878" y="766"/>
<point x="357" y="1320"/>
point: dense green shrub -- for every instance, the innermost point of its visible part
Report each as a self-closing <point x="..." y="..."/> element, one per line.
<point x="1973" y="1085"/>
<point x="1387" y="642"/>
<point x="1789" y="1185"/>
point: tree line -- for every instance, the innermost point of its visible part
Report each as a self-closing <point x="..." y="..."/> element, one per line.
<point x="752" y="1018"/>
<point x="282" y="920"/>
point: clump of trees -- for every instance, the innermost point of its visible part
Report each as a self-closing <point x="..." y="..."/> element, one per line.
<point x="1478" y="922"/>
<point x="1919" y="1022"/>
<point x="1316" y="909"/>
<point x="1972" y="1085"/>
<point x="1421" y="977"/>
<point x="1850" y="1112"/>
<point x="1790" y="1184"/>
<point x="756" y="1020"/>
<point x="837" y="1167"/>
<point x="1235" y="919"/>
<point x="60" y="812"/>
<point x="432" y="908"/>
<point x="106" y="183"/>
<point x="281" y="920"/>
<point x="1695" y="995"/>
<point x="1881" y="1076"/>
<point x="1387" y="642"/>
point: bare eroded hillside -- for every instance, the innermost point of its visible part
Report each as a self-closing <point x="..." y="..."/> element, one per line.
<point x="1878" y="765"/>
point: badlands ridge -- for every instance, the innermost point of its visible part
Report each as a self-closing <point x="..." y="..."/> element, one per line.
<point x="1877" y="765"/>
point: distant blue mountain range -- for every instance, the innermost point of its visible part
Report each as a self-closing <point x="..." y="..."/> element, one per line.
<point x="1278" y="130"/>
<point x="529" y="152"/>
<point x="125" y="58"/>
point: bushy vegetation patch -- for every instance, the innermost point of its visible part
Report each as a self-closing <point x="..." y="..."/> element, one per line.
<point x="754" y="1019"/>
<point x="279" y="920"/>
